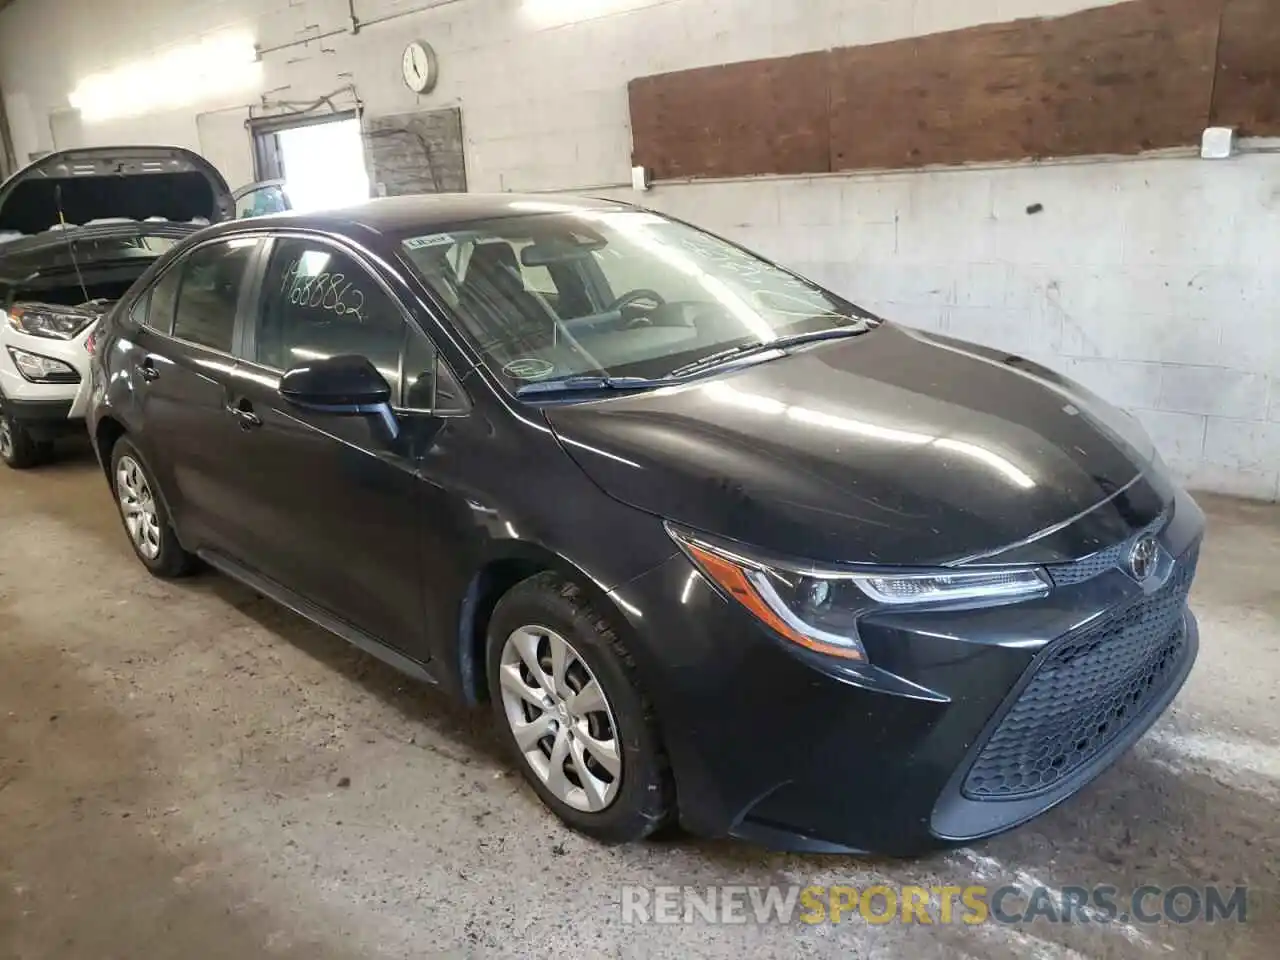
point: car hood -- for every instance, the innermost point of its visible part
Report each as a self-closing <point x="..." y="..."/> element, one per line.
<point x="894" y="447"/>
<point x="102" y="183"/>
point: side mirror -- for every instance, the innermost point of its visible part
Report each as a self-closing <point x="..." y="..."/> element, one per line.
<point x="345" y="384"/>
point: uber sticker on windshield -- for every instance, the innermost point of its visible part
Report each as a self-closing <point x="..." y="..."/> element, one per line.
<point x="431" y="240"/>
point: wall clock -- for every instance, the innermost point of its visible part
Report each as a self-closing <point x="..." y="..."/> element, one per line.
<point x="419" y="67"/>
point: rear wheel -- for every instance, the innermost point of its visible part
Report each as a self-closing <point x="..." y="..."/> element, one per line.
<point x="17" y="447"/>
<point x="565" y="692"/>
<point x="145" y="519"/>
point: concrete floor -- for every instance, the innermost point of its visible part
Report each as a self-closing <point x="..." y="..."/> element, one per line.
<point x="189" y="771"/>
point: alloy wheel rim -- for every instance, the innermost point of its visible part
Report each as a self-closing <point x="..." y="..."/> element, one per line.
<point x="6" y="438"/>
<point x="138" y="507"/>
<point x="560" y="718"/>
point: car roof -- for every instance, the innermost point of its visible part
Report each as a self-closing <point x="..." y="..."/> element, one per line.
<point x="423" y="213"/>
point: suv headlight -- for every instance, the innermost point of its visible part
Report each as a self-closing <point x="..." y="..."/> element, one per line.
<point x="819" y="608"/>
<point x="38" y="369"/>
<point x="40" y="320"/>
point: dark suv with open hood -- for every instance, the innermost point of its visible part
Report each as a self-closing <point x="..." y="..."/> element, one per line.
<point x="77" y="228"/>
<point x="717" y="544"/>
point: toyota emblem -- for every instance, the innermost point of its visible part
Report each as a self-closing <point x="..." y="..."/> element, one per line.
<point x="1143" y="558"/>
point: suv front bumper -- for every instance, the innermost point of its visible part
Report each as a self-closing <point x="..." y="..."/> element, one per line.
<point x="45" y="408"/>
<point x="44" y="419"/>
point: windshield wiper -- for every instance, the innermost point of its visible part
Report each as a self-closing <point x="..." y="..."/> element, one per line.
<point x="587" y="383"/>
<point x="778" y="345"/>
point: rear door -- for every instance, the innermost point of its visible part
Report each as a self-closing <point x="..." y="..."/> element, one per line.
<point x="182" y="365"/>
<point x="336" y="504"/>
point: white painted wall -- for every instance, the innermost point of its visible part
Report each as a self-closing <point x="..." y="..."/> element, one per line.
<point x="1154" y="281"/>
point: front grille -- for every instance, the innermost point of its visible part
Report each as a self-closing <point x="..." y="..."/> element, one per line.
<point x="1069" y="574"/>
<point x="1085" y="693"/>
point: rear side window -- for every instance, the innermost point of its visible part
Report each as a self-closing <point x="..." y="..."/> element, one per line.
<point x="208" y="292"/>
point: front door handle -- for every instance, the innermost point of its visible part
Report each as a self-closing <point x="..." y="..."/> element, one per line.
<point x="242" y="410"/>
<point x="148" y="371"/>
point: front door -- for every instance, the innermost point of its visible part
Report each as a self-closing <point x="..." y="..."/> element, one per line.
<point x="182" y="368"/>
<point x="336" y="501"/>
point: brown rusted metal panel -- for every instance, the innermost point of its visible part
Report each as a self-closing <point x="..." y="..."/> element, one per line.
<point x="764" y="116"/>
<point x="1121" y="79"/>
<point x="1116" y="80"/>
<point x="1247" y="90"/>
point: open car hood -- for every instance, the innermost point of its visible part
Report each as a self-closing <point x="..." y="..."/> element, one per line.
<point x="100" y="183"/>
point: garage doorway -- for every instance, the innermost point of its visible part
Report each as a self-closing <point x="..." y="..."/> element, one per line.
<point x="317" y="162"/>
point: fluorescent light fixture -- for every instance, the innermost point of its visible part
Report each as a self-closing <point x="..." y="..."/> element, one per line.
<point x="554" y="13"/>
<point x="217" y="65"/>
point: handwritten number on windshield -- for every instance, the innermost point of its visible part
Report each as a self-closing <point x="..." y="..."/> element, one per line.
<point x="331" y="292"/>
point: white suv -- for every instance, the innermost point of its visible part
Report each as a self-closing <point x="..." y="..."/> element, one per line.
<point x="76" y="229"/>
<point x="44" y="376"/>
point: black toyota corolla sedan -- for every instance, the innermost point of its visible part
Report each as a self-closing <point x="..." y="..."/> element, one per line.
<point x="720" y="547"/>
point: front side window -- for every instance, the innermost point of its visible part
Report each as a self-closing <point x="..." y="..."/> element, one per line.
<point x="545" y="295"/>
<point x="317" y="302"/>
<point x="207" y="287"/>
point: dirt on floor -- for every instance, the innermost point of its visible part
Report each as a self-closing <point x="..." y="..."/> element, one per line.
<point x="189" y="771"/>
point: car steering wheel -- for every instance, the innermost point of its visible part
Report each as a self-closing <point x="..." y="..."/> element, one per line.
<point x="629" y="298"/>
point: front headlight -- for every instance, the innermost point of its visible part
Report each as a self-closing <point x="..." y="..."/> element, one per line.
<point x="44" y="320"/>
<point x="38" y="369"/>
<point x="819" y="608"/>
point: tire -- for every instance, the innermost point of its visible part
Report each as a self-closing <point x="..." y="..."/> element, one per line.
<point x="641" y="798"/>
<point x="154" y="541"/>
<point x="17" y="447"/>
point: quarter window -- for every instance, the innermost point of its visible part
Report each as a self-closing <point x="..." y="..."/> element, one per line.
<point x="163" y="298"/>
<point x="139" y="315"/>
<point x="208" y="292"/>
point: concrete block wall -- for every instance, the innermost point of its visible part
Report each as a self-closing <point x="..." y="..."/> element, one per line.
<point x="1150" y="280"/>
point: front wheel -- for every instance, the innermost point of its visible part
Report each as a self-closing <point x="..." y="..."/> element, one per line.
<point x="144" y="515"/>
<point x="18" y="449"/>
<point x="566" y="694"/>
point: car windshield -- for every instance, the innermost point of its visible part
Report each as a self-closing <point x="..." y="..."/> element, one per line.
<point x="572" y="292"/>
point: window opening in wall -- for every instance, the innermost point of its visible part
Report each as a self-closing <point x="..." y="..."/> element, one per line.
<point x="318" y="164"/>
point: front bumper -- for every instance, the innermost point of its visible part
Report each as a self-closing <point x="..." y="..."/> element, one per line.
<point x="781" y="747"/>
<point x="40" y="400"/>
<point x="43" y="419"/>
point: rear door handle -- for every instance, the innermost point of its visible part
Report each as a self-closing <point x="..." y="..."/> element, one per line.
<point x="242" y="410"/>
<point x="148" y="371"/>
